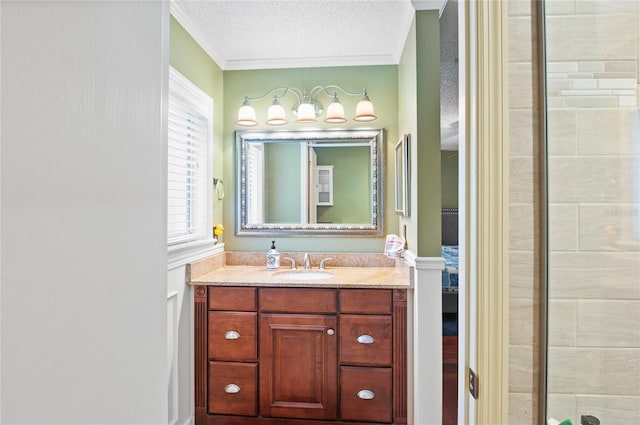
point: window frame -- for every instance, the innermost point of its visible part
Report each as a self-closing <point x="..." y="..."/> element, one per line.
<point x="202" y="244"/>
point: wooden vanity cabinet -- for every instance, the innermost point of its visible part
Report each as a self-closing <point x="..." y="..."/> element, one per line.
<point x="304" y="356"/>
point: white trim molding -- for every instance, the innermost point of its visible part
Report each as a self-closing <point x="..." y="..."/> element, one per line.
<point x="172" y="355"/>
<point x="424" y="263"/>
<point x="438" y="5"/>
<point x="182" y="18"/>
<point x="492" y="243"/>
<point x="425" y="339"/>
<point x="187" y="253"/>
<point x="312" y="62"/>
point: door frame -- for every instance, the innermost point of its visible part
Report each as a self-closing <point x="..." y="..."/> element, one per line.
<point x="484" y="222"/>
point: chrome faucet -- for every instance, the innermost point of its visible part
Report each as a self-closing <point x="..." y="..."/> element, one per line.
<point x="293" y="262"/>
<point x="324" y="261"/>
<point x="307" y="262"/>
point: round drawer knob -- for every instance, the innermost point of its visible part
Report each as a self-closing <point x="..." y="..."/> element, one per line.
<point x="330" y="331"/>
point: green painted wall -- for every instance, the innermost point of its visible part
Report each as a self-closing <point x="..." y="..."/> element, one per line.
<point x="449" y="161"/>
<point x="419" y="116"/>
<point x="428" y="138"/>
<point x="408" y="123"/>
<point x="188" y="58"/>
<point x="381" y="83"/>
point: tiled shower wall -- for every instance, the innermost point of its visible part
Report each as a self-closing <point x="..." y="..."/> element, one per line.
<point x="592" y="84"/>
<point x="594" y="219"/>
<point x="594" y="214"/>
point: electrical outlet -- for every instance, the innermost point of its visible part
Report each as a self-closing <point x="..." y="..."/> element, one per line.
<point x="473" y="384"/>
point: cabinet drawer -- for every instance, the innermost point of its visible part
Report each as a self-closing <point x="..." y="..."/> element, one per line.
<point x="233" y="388"/>
<point x="366" y="394"/>
<point x="367" y="301"/>
<point x="232" y="298"/>
<point x="232" y="335"/>
<point x="365" y="340"/>
<point x="297" y="300"/>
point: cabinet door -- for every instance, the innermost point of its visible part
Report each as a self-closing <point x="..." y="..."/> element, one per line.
<point x="324" y="185"/>
<point x="298" y="367"/>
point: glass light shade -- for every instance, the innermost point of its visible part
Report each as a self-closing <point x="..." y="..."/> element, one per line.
<point x="246" y="116"/>
<point x="335" y="113"/>
<point x="275" y="115"/>
<point x="364" y="111"/>
<point x="306" y="113"/>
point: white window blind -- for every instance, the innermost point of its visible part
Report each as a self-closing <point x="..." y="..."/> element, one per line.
<point x="189" y="161"/>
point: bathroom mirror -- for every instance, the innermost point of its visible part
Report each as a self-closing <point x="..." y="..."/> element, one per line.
<point x="301" y="183"/>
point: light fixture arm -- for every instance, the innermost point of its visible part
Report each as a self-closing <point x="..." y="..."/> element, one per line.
<point x="278" y="93"/>
<point x="312" y="95"/>
<point x="319" y="89"/>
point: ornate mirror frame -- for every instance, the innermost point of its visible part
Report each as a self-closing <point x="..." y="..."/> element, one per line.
<point x="371" y="137"/>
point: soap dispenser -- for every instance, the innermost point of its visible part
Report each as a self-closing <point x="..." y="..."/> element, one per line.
<point x="273" y="257"/>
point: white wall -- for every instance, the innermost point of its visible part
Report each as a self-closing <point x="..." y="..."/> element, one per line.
<point x="83" y="226"/>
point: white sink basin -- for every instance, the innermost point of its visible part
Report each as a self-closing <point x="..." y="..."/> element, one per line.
<point x="304" y="274"/>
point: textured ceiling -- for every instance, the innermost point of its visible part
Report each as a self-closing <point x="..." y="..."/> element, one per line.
<point x="259" y="34"/>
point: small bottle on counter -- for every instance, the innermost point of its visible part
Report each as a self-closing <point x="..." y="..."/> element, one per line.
<point x="273" y="257"/>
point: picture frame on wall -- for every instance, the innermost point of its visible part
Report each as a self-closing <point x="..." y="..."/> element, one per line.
<point x="403" y="175"/>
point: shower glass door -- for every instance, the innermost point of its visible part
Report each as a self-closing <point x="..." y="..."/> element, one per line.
<point x="593" y="207"/>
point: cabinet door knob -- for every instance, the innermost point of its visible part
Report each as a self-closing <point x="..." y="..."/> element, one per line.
<point x="231" y="389"/>
<point x="366" y="395"/>
<point x="231" y="335"/>
<point x="366" y="339"/>
<point x="330" y="331"/>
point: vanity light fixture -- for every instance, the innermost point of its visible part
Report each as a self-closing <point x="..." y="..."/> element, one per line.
<point x="308" y="107"/>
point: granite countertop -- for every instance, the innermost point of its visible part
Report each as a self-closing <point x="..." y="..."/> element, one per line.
<point x="344" y="277"/>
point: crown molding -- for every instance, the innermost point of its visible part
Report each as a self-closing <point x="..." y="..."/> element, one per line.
<point x="438" y="5"/>
<point x="311" y="62"/>
<point x="405" y="24"/>
<point x="182" y="18"/>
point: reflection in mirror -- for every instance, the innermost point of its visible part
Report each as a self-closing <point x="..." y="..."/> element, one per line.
<point x="309" y="182"/>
